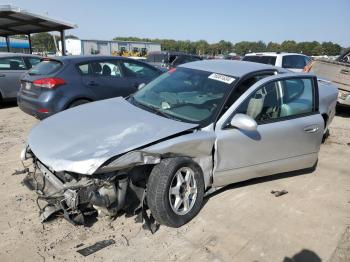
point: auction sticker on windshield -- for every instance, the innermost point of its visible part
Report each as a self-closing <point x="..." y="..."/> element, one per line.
<point x="222" y="78"/>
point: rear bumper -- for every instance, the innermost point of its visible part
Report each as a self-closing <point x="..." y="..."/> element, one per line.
<point x="34" y="106"/>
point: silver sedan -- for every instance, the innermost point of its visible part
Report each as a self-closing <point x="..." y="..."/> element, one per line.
<point x="190" y="131"/>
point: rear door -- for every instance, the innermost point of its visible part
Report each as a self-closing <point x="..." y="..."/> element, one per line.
<point x="289" y="133"/>
<point x="11" y="70"/>
<point x="105" y="79"/>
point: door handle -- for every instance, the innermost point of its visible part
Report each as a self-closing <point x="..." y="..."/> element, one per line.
<point x="2" y="75"/>
<point x="311" y="129"/>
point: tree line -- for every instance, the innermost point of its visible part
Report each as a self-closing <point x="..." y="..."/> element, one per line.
<point x="202" y="47"/>
<point x="44" y="42"/>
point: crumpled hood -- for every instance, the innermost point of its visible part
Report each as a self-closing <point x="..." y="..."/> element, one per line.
<point x="81" y="139"/>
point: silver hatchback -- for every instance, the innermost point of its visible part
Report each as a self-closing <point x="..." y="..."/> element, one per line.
<point x="12" y="67"/>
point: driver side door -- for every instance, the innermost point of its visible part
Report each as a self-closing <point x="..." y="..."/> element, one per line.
<point x="288" y="135"/>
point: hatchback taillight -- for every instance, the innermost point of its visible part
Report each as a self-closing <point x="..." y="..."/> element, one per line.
<point x="49" y="83"/>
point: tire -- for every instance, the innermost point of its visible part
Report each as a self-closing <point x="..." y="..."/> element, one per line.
<point x="78" y="103"/>
<point x="162" y="201"/>
<point x="325" y="136"/>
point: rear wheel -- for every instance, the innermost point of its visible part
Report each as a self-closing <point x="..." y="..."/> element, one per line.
<point x="175" y="191"/>
<point x="78" y="103"/>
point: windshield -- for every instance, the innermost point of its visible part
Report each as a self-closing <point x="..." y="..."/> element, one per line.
<point x="187" y="95"/>
<point x="269" y="60"/>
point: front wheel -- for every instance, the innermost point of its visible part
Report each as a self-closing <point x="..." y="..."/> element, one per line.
<point x="175" y="191"/>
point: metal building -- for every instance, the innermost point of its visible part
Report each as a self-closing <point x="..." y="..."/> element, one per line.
<point x="16" y="45"/>
<point x="100" y="47"/>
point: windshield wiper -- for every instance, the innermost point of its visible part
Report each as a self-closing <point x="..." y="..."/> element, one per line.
<point x="153" y="109"/>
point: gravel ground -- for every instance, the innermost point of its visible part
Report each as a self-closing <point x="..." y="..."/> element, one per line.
<point x="243" y="222"/>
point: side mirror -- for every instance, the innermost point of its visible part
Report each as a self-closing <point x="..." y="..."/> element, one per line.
<point x="244" y="122"/>
<point x="142" y="85"/>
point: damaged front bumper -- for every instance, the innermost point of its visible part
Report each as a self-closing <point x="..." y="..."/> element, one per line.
<point x="74" y="194"/>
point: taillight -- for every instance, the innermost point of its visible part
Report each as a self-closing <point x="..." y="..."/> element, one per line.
<point x="49" y="83"/>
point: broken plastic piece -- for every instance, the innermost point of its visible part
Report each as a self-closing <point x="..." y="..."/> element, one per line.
<point x="279" y="193"/>
<point x="19" y="172"/>
<point x="95" y="247"/>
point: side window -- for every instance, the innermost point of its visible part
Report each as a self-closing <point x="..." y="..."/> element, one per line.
<point x="12" y="63"/>
<point x="84" y="68"/>
<point x="241" y="88"/>
<point x="33" y="61"/>
<point x="106" y="68"/>
<point x="293" y="61"/>
<point x="279" y="99"/>
<point x="264" y="104"/>
<point x="298" y="97"/>
<point x="138" y="70"/>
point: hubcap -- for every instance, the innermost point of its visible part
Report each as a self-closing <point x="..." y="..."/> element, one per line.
<point x="183" y="191"/>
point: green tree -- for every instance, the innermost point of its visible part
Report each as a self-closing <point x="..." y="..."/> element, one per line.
<point x="273" y="47"/>
<point x="331" y="48"/>
<point x="318" y="50"/>
<point x="289" y="46"/>
<point x="43" y="42"/>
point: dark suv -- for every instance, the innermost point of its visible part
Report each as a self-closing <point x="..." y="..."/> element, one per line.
<point x="168" y="59"/>
<point x="58" y="83"/>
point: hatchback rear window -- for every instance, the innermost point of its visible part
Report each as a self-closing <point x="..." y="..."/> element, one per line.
<point x="46" y="67"/>
<point x="269" y="60"/>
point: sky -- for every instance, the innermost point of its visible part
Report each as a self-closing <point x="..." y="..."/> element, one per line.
<point x="215" y="20"/>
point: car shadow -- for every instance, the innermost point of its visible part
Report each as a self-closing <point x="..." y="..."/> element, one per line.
<point x="342" y="111"/>
<point x="259" y="180"/>
<point x="8" y="104"/>
<point x="304" y="255"/>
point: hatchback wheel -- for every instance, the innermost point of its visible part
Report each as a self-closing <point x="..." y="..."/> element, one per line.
<point x="175" y="191"/>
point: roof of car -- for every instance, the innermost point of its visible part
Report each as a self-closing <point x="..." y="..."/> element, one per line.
<point x="9" y="54"/>
<point x="170" y="53"/>
<point x="228" y="67"/>
<point x="273" y="53"/>
<point x="82" y="58"/>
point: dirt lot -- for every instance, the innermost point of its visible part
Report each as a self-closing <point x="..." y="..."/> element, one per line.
<point x="244" y="222"/>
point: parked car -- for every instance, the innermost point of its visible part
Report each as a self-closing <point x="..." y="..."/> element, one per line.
<point x="292" y="61"/>
<point x="166" y="59"/>
<point x="58" y="83"/>
<point x="12" y="67"/>
<point x="337" y="71"/>
<point x="197" y="127"/>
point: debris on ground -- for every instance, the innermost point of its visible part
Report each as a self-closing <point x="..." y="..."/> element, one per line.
<point x="79" y="245"/>
<point x="279" y="193"/>
<point x="20" y="172"/>
<point x="95" y="247"/>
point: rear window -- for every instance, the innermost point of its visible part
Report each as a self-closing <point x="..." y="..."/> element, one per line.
<point x="293" y="61"/>
<point x="269" y="60"/>
<point x="46" y="67"/>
